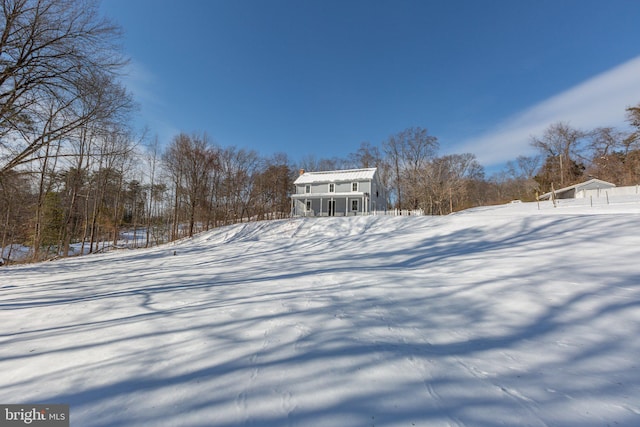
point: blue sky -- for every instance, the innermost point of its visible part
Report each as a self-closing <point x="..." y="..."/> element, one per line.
<point x="320" y="77"/>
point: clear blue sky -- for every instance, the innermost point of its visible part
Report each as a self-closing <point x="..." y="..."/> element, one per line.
<point x="320" y="77"/>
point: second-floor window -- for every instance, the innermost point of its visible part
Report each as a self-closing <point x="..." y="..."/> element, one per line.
<point x="307" y="188"/>
<point x="354" y="186"/>
<point x="332" y="188"/>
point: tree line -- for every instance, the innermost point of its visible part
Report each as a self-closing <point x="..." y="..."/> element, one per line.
<point x="74" y="175"/>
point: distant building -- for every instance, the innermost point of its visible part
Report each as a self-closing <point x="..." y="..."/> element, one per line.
<point x="578" y="191"/>
<point x="338" y="193"/>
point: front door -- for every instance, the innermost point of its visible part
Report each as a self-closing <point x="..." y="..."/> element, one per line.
<point x="332" y="208"/>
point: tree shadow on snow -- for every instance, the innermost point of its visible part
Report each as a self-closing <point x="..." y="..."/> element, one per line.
<point x="430" y="332"/>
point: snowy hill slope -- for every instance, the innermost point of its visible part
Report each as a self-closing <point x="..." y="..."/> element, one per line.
<point x="508" y="315"/>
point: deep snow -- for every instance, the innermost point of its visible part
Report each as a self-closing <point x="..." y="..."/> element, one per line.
<point x="510" y="315"/>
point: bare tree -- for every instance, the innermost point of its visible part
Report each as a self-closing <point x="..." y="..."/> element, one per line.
<point x="367" y="156"/>
<point x="519" y="181"/>
<point x="607" y="159"/>
<point x="633" y="117"/>
<point x="631" y="147"/>
<point x="408" y="153"/>
<point x="562" y="147"/>
<point x="446" y="184"/>
<point x="312" y="163"/>
<point x="52" y="53"/>
<point x="190" y="160"/>
<point x="17" y="203"/>
<point x="272" y="187"/>
<point x="239" y="170"/>
<point x="152" y="161"/>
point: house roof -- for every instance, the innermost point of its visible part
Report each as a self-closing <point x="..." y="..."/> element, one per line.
<point x="336" y="176"/>
<point x="592" y="184"/>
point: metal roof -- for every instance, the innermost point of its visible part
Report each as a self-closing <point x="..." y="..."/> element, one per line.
<point x="336" y="176"/>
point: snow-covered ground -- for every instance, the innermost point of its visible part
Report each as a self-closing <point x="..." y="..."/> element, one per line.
<point x="510" y="315"/>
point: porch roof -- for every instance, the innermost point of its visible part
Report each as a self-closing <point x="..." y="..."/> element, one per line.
<point x="328" y="195"/>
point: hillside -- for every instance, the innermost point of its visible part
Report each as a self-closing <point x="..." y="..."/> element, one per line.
<point x="513" y="315"/>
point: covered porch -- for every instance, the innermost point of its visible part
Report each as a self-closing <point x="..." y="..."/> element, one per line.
<point x="331" y="204"/>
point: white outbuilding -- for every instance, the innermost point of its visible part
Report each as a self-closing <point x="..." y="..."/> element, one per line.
<point x="578" y="191"/>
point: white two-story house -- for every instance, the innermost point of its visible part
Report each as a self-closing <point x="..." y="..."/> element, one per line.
<point x="338" y="193"/>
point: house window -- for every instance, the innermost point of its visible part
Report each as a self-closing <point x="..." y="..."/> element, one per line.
<point x="308" y="205"/>
<point x="354" y="205"/>
<point x="332" y="188"/>
<point x="354" y="186"/>
<point x="307" y="188"/>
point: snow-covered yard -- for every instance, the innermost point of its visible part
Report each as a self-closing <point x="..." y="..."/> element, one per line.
<point x="508" y="315"/>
